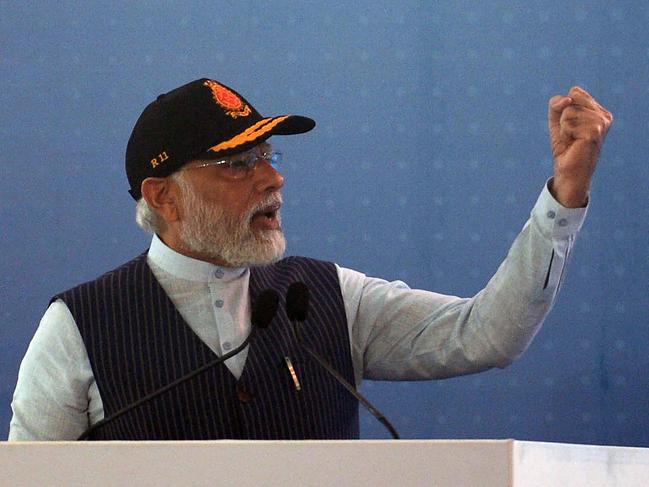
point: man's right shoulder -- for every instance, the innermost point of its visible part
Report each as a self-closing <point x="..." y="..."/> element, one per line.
<point x="106" y="276"/>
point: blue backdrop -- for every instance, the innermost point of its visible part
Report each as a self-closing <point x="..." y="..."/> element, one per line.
<point x="430" y="150"/>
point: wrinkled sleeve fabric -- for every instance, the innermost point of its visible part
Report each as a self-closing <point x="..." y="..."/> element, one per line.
<point x="398" y="333"/>
<point x="56" y="394"/>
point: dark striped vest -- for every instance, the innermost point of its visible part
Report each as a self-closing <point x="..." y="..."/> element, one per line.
<point x="137" y="342"/>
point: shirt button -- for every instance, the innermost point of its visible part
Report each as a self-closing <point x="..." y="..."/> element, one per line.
<point x="218" y="303"/>
<point x="227" y="346"/>
<point x="218" y="273"/>
<point x="551" y="214"/>
<point x="563" y="222"/>
<point x="244" y="396"/>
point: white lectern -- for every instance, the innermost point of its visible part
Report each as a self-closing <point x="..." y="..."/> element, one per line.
<point x="480" y="463"/>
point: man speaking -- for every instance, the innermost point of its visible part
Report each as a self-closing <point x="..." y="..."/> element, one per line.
<point x="147" y="351"/>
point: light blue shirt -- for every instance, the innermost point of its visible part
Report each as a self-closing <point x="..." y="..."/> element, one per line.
<point x="396" y="333"/>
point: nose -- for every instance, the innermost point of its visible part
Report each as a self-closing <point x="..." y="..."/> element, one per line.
<point x="267" y="178"/>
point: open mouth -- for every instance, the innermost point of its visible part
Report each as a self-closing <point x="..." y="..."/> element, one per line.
<point x="268" y="215"/>
<point x="268" y="211"/>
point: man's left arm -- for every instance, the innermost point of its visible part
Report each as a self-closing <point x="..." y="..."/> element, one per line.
<point x="399" y="333"/>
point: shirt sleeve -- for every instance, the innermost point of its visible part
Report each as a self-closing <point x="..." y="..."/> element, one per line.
<point x="398" y="333"/>
<point x="56" y="396"/>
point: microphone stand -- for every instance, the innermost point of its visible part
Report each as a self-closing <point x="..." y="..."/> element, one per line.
<point x="297" y="304"/>
<point x="171" y="385"/>
<point x="352" y="390"/>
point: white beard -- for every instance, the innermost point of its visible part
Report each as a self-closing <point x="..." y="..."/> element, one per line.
<point x="212" y="232"/>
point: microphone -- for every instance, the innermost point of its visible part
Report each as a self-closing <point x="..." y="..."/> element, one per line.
<point x="264" y="309"/>
<point x="297" y="305"/>
<point x="263" y="312"/>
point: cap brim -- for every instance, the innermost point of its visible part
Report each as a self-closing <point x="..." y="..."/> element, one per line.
<point x="294" y="124"/>
<point x="260" y="131"/>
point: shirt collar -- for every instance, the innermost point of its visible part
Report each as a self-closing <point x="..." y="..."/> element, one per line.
<point x="188" y="268"/>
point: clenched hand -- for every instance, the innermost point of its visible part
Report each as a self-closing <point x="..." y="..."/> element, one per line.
<point x="578" y="127"/>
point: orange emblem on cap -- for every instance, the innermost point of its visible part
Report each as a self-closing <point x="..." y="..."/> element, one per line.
<point x="228" y="100"/>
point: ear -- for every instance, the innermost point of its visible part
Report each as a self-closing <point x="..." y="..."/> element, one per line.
<point x="162" y="196"/>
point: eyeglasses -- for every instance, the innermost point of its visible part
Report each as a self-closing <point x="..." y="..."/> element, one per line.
<point x="242" y="165"/>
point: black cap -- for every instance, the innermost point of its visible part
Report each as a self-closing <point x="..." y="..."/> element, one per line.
<point x="203" y="119"/>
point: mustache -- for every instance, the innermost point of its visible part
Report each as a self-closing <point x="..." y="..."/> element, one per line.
<point x="273" y="200"/>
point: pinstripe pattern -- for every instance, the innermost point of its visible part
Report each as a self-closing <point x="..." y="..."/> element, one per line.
<point x="137" y="342"/>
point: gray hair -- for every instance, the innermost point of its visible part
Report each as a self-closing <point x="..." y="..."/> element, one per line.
<point x="147" y="219"/>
